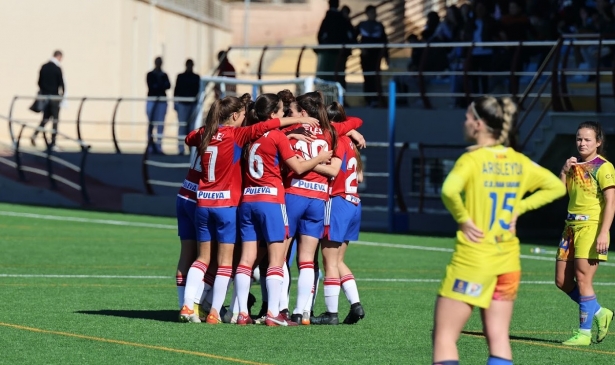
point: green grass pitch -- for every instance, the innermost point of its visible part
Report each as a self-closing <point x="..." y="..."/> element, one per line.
<point x="76" y="289"/>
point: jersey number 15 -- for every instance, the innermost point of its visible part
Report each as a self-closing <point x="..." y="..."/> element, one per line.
<point x="506" y="205"/>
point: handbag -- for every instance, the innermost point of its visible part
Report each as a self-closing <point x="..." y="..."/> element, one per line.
<point x="39" y="104"/>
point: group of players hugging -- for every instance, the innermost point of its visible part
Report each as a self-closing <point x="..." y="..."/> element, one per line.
<point x="268" y="173"/>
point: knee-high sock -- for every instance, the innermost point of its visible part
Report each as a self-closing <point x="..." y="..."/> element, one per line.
<point x="223" y="276"/>
<point x="349" y="285"/>
<point x="243" y="278"/>
<point x="304" y="286"/>
<point x="194" y="283"/>
<point x="284" y="298"/>
<point x="275" y="278"/>
<point x="332" y="294"/>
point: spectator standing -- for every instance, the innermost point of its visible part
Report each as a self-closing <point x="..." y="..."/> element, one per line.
<point x="186" y="86"/>
<point x="372" y="31"/>
<point x="157" y="85"/>
<point x="334" y="29"/>
<point x="225" y="69"/>
<point x="50" y="82"/>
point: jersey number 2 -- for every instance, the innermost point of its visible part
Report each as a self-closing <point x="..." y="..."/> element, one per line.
<point x="505" y="206"/>
<point x="352" y="164"/>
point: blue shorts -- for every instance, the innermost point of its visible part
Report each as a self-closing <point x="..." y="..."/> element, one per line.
<point x="263" y="221"/>
<point x="218" y="224"/>
<point x="186" y="223"/>
<point x="344" y="220"/>
<point x="305" y="216"/>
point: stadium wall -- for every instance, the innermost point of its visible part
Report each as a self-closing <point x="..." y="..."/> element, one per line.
<point x="271" y="23"/>
<point x="108" y="46"/>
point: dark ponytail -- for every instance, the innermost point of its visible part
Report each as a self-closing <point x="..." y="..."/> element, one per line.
<point x="313" y="105"/>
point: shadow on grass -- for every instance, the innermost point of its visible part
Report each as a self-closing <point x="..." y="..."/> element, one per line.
<point x="156" y="315"/>
<point x="519" y="338"/>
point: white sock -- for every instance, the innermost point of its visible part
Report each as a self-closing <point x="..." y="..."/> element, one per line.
<point x="220" y="288"/>
<point x="284" y="298"/>
<point x="332" y="294"/>
<point x="304" y="285"/>
<point x="194" y="282"/>
<point x="317" y="275"/>
<point x="243" y="278"/>
<point x="349" y="285"/>
<point x="275" y="278"/>
<point x="234" y="306"/>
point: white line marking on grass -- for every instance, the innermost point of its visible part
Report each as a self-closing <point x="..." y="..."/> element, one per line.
<point x="87" y="220"/>
<point x="169" y="226"/>
<point x="82" y="276"/>
<point x="377" y="280"/>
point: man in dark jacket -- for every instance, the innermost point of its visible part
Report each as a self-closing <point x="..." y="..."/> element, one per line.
<point x="186" y="86"/>
<point x="50" y="82"/>
<point x="372" y="31"/>
<point x="157" y="85"/>
<point x="334" y="29"/>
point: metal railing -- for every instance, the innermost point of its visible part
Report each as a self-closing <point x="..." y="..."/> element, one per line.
<point x="16" y="130"/>
<point x="512" y="72"/>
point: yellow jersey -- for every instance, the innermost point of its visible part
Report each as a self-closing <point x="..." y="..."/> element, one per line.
<point x="488" y="185"/>
<point x="585" y="182"/>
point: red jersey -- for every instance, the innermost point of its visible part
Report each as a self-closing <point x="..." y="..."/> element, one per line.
<point x="312" y="184"/>
<point x="262" y="177"/>
<point x="220" y="180"/>
<point x="345" y="184"/>
<point x="191" y="182"/>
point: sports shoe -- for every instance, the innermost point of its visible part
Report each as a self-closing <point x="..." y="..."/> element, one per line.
<point x="603" y="320"/>
<point x="263" y="311"/>
<point x="187" y="315"/>
<point x="286" y="314"/>
<point x="355" y="314"/>
<point x="326" y="318"/>
<point x="580" y="338"/>
<point x="200" y="312"/>
<point x="279" y="320"/>
<point x="296" y="317"/>
<point x="212" y="319"/>
<point x="244" y="319"/>
<point x="305" y="319"/>
<point x="260" y="320"/>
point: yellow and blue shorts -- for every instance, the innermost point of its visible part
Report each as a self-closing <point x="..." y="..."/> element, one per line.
<point x="478" y="289"/>
<point x="579" y="242"/>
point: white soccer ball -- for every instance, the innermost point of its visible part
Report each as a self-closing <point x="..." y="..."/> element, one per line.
<point x="256" y="275"/>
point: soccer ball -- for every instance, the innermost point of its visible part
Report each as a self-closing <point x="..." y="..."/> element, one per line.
<point x="256" y="275"/>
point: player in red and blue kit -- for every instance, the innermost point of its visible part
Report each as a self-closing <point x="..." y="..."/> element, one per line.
<point x="342" y="223"/>
<point x="219" y="144"/>
<point x="262" y="213"/>
<point x="306" y="196"/>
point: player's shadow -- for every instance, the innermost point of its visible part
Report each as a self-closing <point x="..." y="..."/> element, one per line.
<point x="155" y="315"/>
<point x="520" y="338"/>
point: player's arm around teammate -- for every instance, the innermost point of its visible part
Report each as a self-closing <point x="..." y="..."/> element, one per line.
<point x="219" y="145"/>
<point x="590" y="181"/>
<point x="342" y="222"/>
<point x="262" y="211"/>
<point x="485" y="267"/>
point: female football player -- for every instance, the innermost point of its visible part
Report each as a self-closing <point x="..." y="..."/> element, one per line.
<point x="590" y="180"/>
<point x="306" y="195"/>
<point x="262" y="213"/>
<point x="342" y="222"/>
<point x="219" y="144"/>
<point x="485" y="193"/>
